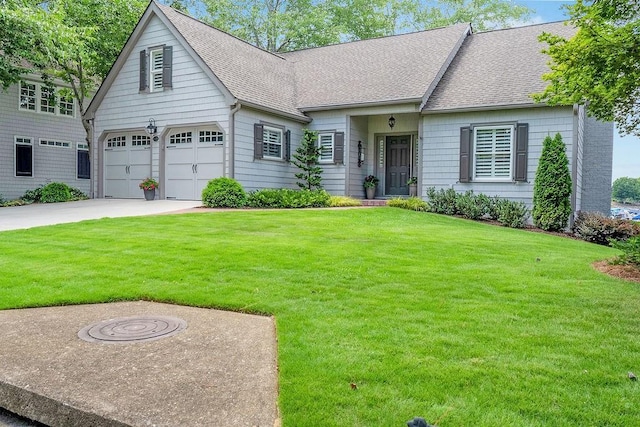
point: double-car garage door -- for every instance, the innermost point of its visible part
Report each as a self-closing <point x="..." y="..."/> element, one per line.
<point x="192" y="157"/>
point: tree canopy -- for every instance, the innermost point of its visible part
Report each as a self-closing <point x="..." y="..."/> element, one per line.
<point x="626" y="189"/>
<point x="285" y="25"/>
<point x="600" y="65"/>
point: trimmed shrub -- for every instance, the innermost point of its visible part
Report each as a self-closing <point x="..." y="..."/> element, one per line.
<point x="16" y="202"/>
<point x="630" y="251"/>
<point x="443" y="201"/>
<point x="512" y="214"/>
<point x="412" y="203"/>
<point x="552" y="188"/>
<point x="224" y="193"/>
<point x="55" y="192"/>
<point x="597" y="228"/>
<point x="32" y="196"/>
<point x="471" y="206"/>
<point x="288" y="199"/>
<point x="77" y="194"/>
<point x="343" y="201"/>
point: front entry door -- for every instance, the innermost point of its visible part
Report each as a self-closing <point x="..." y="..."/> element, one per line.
<point x="398" y="166"/>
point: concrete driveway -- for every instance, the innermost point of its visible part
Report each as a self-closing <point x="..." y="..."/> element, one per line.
<point x="36" y="215"/>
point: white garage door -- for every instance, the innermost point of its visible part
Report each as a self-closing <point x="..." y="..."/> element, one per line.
<point x="193" y="157"/>
<point x="127" y="161"/>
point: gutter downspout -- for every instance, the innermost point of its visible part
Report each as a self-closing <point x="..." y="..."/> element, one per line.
<point x="232" y="138"/>
<point x="574" y="164"/>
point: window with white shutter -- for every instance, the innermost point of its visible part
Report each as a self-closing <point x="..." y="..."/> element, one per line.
<point x="493" y="153"/>
<point x="272" y="142"/>
<point x="325" y="142"/>
<point x="155" y="69"/>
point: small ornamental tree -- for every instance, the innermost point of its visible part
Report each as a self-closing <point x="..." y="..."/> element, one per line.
<point x="552" y="188"/>
<point x="306" y="159"/>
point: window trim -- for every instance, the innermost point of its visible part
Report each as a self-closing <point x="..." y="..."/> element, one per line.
<point x="280" y="131"/>
<point x="82" y="146"/>
<point x="15" y="155"/>
<point x="57" y="143"/>
<point x="39" y="87"/>
<point x="155" y="71"/>
<point x="474" y="141"/>
<point x="333" y="145"/>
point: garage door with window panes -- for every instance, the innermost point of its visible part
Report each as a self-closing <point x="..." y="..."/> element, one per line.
<point x="193" y="157"/>
<point x="127" y="161"/>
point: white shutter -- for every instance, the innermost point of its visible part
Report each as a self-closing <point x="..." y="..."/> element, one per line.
<point x="325" y="142"/>
<point x="493" y="152"/>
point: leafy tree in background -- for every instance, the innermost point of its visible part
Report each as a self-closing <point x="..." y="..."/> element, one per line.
<point x="626" y="190"/>
<point x="75" y="41"/>
<point x="552" y="187"/>
<point x="600" y="65"/>
<point x="306" y="159"/>
<point x="285" y="25"/>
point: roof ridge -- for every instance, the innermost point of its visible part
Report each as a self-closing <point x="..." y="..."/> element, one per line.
<point x="163" y="7"/>
<point x="538" y="24"/>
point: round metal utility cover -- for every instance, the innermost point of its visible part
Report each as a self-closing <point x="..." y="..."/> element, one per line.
<point x="126" y="330"/>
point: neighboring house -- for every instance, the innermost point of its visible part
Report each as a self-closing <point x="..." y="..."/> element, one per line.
<point x="42" y="139"/>
<point x="445" y="105"/>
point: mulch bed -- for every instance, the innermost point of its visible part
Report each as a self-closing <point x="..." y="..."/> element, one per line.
<point x="625" y="272"/>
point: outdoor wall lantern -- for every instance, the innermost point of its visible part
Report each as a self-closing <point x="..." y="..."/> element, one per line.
<point x="392" y="122"/>
<point x="360" y="154"/>
<point x="152" y="129"/>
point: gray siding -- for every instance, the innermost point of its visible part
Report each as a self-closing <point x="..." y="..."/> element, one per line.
<point x="333" y="176"/>
<point x="441" y="147"/>
<point x="194" y="99"/>
<point x="597" y="166"/>
<point x="359" y="130"/>
<point x="253" y="173"/>
<point x="51" y="164"/>
<point x="579" y="117"/>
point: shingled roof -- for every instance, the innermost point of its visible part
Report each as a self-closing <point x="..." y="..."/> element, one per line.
<point x="397" y="68"/>
<point x="496" y="69"/>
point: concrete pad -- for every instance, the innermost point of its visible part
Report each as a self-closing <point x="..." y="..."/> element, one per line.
<point x="219" y="371"/>
<point x="39" y="214"/>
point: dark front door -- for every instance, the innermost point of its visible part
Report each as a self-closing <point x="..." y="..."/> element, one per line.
<point x="398" y="166"/>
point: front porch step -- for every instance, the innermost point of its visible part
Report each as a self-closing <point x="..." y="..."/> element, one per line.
<point x="374" y="202"/>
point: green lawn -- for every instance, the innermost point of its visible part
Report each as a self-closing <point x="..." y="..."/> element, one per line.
<point x="463" y="323"/>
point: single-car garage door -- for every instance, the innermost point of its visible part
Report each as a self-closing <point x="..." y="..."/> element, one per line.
<point x="127" y="161"/>
<point x="193" y="156"/>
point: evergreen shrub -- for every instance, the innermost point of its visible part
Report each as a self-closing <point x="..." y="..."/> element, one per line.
<point x="224" y="193"/>
<point x="412" y="203"/>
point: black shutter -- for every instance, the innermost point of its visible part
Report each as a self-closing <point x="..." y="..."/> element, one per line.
<point x="287" y="145"/>
<point x="338" y="148"/>
<point x="522" y="145"/>
<point x="167" y="65"/>
<point x="24" y="160"/>
<point x="143" y="70"/>
<point x="257" y="141"/>
<point x="84" y="170"/>
<point x="465" y="154"/>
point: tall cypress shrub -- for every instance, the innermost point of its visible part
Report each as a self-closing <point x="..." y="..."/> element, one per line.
<point x="552" y="188"/>
<point x="306" y="159"/>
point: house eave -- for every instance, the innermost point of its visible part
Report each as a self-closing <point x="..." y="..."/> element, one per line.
<point x="487" y="107"/>
<point x="361" y="104"/>
<point x="298" y="118"/>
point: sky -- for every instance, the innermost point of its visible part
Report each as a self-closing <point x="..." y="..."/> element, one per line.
<point x="626" y="150"/>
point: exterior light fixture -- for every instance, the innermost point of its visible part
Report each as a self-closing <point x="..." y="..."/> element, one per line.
<point x="360" y="154"/>
<point x="152" y="129"/>
<point x="392" y="122"/>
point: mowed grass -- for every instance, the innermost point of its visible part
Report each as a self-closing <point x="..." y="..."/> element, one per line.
<point x="462" y="323"/>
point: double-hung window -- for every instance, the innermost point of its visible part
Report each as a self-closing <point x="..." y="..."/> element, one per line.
<point x="38" y="97"/>
<point x="493" y="152"/>
<point x="326" y="145"/>
<point x="24" y="156"/>
<point x="28" y="96"/>
<point x="155" y="70"/>
<point x="272" y="142"/>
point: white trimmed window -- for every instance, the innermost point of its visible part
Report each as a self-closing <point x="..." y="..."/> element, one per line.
<point x="38" y="97"/>
<point x="272" y="142"/>
<point x="493" y="152"/>
<point x="326" y="143"/>
<point x="52" y="143"/>
<point x="23" y="156"/>
<point x="155" y="70"/>
<point x="28" y="96"/>
<point x="211" y="136"/>
<point x="140" y="140"/>
<point x="117" y="141"/>
<point x="83" y="165"/>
